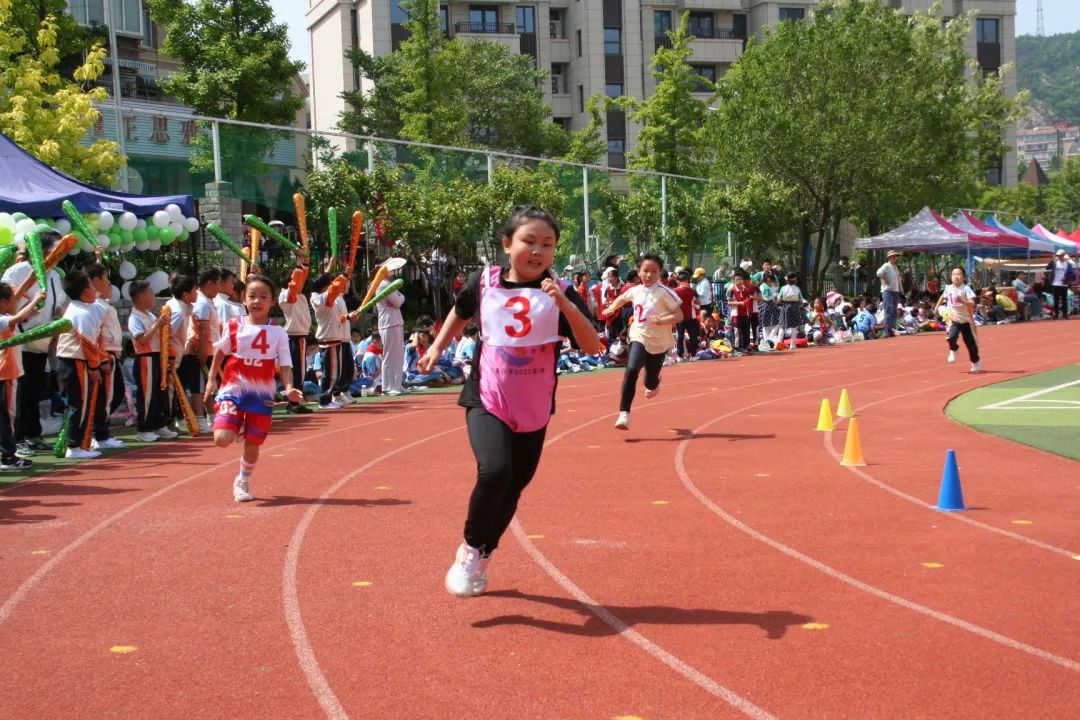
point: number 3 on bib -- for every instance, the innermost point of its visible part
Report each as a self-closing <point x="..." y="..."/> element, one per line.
<point x="522" y="305"/>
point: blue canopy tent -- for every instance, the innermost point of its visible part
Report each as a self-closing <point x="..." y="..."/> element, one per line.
<point x="1035" y="244"/>
<point x="30" y="186"/>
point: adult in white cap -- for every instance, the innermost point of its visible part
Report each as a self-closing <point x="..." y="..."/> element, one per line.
<point x="704" y="289"/>
<point x="889" y="274"/>
<point x="1062" y="275"/>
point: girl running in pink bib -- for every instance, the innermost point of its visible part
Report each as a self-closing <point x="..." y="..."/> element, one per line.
<point x="509" y="396"/>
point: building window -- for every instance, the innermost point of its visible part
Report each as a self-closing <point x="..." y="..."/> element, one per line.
<point x="706" y="72"/>
<point x="483" y="18"/>
<point x="526" y="18"/>
<point x="612" y="41"/>
<point x="555" y="23"/>
<point x="581" y="98"/>
<point x="128" y="13"/>
<point x="613" y="90"/>
<point x="444" y="19"/>
<point x="148" y="40"/>
<point x="702" y="25"/>
<point x="986" y="30"/>
<point x="661" y="22"/>
<point x="354" y="40"/>
<point x="577" y="35"/>
<point x="562" y="122"/>
<point x="616" y="146"/>
<point x="558" y="79"/>
<point x="792" y="14"/>
<point x="398" y="15"/>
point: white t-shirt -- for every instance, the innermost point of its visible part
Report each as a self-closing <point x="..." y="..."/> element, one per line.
<point x="111" y="334"/>
<point x="297" y="314"/>
<point x="389" y="308"/>
<point x="890" y="277"/>
<point x="331" y="323"/>
<point x="55" y="303"/>
<point x="86" y="320"/>
<point x="204" y="309"/>
<point x="647" y="302"/>
<point x="139" y="321"/>
<point x="1060" y="268"/>
<point x="228" y="309"/>
<point x="179" y="326"/>
<point x="955" y="297"/>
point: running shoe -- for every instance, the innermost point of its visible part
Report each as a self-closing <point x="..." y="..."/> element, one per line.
<point x="623" y="423"/>
<point x="241" y="491"/>
<point x="463" y="575"/>
<point x="952" y="356"/>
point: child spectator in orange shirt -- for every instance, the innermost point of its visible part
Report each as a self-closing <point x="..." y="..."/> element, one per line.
<point x="11" y="369"/>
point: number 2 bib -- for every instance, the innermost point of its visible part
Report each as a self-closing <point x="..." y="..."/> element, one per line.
<point x="518" y="327"/>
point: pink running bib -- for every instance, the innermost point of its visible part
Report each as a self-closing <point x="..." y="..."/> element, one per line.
<point x="517" y="363"/>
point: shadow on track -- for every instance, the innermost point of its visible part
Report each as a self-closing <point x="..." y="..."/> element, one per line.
<point x="774" y="622"/>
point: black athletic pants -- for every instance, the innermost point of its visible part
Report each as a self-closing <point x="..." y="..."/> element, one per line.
<point x="687" y="330"/>
<point x="505" y="463"/>
<point x="742" y="324"/>
<point x="150" y="399"/>
<point x="28" y="394"/>
<point x="639" y="358"/>
<point x="1061" y="299"/>
<point x="959" y="328"/>
<point x="7" y="419"/>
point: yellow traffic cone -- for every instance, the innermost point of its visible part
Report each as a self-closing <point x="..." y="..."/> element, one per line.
<point x="853" y="447"/>
<point x="824" y="418"/>
<point x="843" y="408"/>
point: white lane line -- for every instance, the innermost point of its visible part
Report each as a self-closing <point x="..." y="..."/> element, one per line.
<point x="1001" y="405"/>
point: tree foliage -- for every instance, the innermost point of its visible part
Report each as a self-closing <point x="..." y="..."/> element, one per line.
<point x="1046" y="67"/>
<point x="45" y="113"/>
<point x="234" y="63"/>
<point x="866" y="113"/>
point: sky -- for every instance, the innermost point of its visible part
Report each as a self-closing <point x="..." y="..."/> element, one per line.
<point x="1059" y="16"/>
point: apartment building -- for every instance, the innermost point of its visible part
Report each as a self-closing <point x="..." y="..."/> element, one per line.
<point x="1051" y="145"/>
<point x="599" y="46"/>
<point x="154" y="125"/>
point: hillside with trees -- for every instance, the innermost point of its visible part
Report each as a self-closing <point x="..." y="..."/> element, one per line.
<point x="1050" y="68"/>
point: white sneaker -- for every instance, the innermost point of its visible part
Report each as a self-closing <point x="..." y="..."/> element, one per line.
<point x="343" y="400"/>
<point x="463" y="575"/>
<point x="623" y="423"/>
<point x="394" y="393"/>
<point x="166" y="433"/>
<point x="205" y="427"/>
<point x="147" y="437"/>
<point x="107" y="444"/>
<point x="330" y="406"/>
<point x="480" y="581"/>
<point x="650" y="394"/>
<point x="952" y="356"/>
<point x="240" y="491"/>
<point x="975" y="367"/>
<point x="74" y="453"/>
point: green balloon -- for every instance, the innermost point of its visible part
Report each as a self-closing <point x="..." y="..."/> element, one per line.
<point x="184" y="234"/>
<point x="127" y="236"/>
<point x="18" y="216"/>
<point x="152" y="232"/>
<point x="139" y="235"/>
<point x="165" y="235"/>
<point x="42" y="227"/>
<point x="44" y="221"/>
<point x="6" y="236"/>
<point x="114" y="237"/>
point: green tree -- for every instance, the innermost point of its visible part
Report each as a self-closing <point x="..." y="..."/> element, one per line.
<point x="1025" y="202"/>
<point x="45" y="113"/>
<point x="866" y="113"/>
<point x="234" y="63"/>
<point x="72" y="40"/>
<point x="1063" y="197"/>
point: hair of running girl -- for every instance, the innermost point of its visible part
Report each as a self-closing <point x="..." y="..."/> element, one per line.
<point x="646" y="256"/>
<point x="521" y="214"/>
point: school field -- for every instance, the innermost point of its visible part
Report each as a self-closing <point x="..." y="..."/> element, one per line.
<point x="714" y="561"/>
<point x="1041" y="410"/>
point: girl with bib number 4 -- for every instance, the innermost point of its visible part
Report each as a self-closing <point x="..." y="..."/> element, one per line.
<point x="245" y="401"/>
<point x="656" y="309"/>
<point x="523" y="313"/>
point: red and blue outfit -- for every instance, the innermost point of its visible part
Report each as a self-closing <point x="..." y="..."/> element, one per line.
<point x="248" y="385"/>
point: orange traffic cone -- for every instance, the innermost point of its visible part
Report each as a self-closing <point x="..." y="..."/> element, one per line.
<point x="853" y="447"/>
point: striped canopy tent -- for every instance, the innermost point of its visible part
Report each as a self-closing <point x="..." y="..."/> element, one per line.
<point x="929" y="232"/>
<point x="1011" y="245"/>
<point x="1035" y="245"/>
<point x="1062" y="242"/>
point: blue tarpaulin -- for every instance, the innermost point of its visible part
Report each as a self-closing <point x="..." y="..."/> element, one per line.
<point x="30" y="186"/>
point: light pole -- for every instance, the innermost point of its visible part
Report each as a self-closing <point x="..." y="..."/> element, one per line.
<point x="114" y="60"/>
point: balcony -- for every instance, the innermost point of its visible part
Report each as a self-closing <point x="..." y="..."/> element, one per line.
<point x="716" y="45"/>
<point x="482" y="28"/>
<point x="988" y="55"/>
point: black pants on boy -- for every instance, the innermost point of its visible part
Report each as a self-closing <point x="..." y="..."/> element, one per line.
<point x="742" y="324"/>
<point x="1061" y="300"/>
<point x="959" y="328"/>
<point x="337" y="370"/>
<point x="639" y="358"/>
<point x="7" y="419"/>
<point x="150" y="399"/>
<point x="78" y="380"/>
<point x="755" y="328"/>
<point x="687" y="330"/>
<point x="505" y="463"/>
<point x="28" y="396"/>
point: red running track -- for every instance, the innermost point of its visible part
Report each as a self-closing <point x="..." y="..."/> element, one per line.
<point x="714" y="561"/>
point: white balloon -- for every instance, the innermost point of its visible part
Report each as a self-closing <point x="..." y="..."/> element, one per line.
<point x="128" y="221"/>
<point x="128" y="247"/>
<point x="141" y="224"/>
<point x="176" y="228"/>
<point x="18" y="239"/>
<point x="127" y="271"/>
<point x="115" y="294"/>
<point x="83" y="245"/>
<point x="158" y="281"/>
<point x="161" y="219"/>
<point x="191" y="224"/>
<point x="125" y="290"/>
<point x="25" y="226"/>
<point x="175" y="213"/>
<point x="105" y="220"/>
<point x="7" y="221"/>
<point x="142" y="245"/>
<point x="63" y="226"/>
<point x="155" y="245"/>
<point x="103" y="241"/>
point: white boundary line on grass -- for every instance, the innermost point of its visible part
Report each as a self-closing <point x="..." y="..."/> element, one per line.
<point x="1004" y="404"/>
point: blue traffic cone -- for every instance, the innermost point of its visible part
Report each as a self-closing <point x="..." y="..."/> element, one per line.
<point x="951" y="497"/>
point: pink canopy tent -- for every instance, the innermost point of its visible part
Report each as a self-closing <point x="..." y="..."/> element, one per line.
<point x="1063" y="243"/>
